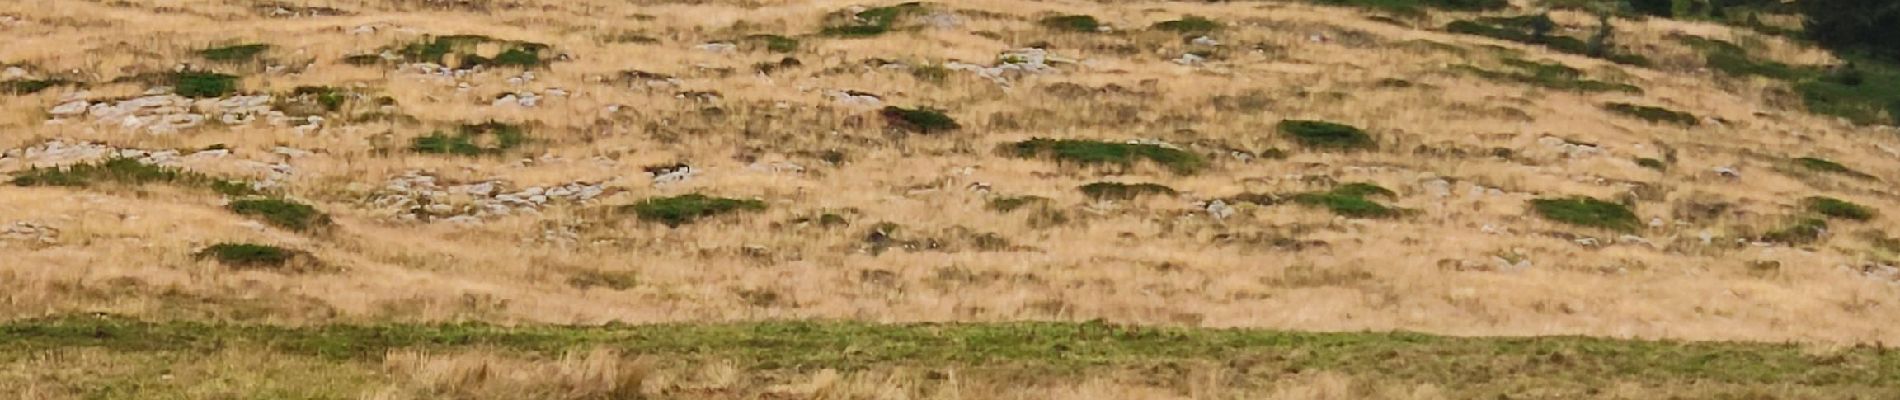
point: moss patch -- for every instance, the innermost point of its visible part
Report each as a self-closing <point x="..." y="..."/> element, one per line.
<point x="237" y="53"/>
<point x="920" y="120"/>
<point x="1653" y="114"/>
<point x="1837" y="208"/>
<point x="203" y="84"/>
<point x="1326" y="135"/>
<point x="127" y="171"/>
<point x="283" y="213"/>
<point x="472" y="140"/>
<point x="247" y="256"/>
<point x="1124" y="191"/>
<point x="1072" y="23"/>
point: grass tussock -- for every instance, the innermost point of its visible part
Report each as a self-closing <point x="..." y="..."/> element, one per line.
<point x="1653" y="114"/>
<point x="923" y="120"/>
<point x="204" y="84"/>
<point x="490" y="138"/>
<point x="1350" y="200"/>
<point x="1837" y="208"/>
<point x="248" y="256"/>
<point x="234" y="53"/>
<point x="1827" y="166"/>
<point x="1124" y="191"/>
<point x="1072" y="23"/>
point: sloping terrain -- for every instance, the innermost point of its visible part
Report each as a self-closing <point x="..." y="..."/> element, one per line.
<point x="1342" y="166"/>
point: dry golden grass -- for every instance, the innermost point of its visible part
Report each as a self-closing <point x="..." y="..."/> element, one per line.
<point x="1151" y="261"/>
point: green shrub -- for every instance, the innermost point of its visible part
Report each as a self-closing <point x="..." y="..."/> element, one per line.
<point x="1854" y="26"/>
<point x="685" y="209"/>
<point x="1652" y="163"/>
<point x="1188" y="24"/>
<point x="30" y="86"/>
<point x="1345" y="205"/>
<point x="1326" y="135"/>
<point x="1548" y="75"/>
<point x="612" y="280"/>
<point x="257" y="256"/>
<point x="1098" y="152"/>
<point x="1863" y="90"/>
<point x="1072" y="23"/>
<point x="1585" y="211"/>
<point x="1415" y="7"/>
<point x="471" y="140"/>
<point x="1537" y="30"/>
<point x="437" y="49"/>
<point x="871" y="22"/>
<point x="283" y="213"/>
<point x="1653" y="114"/>
<point x="237" y="53"/>
<point x="203" y="84"/>
<point x="1837" y="208"/>
<point x="363" y="59"/>
<point x="129" y="172"/>
<point x="921" y="120"/>
<point x="1124" y="191"/>
<point x="776" y="43"/>
<point x="1827" y="166"/>
<point x="1798" y="231"/>
<point x="1362" y="189"/>
<point x="1012" y="203"/>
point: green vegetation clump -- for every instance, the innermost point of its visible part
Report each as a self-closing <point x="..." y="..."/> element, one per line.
<point x="1124" y="191"/>
<point x="1585" y="211"/>
<point x="203" y="84"/>
<point x="1798" y="231"/>
<point x="1188" y="24"/>
<point x="1652" y="163"/>
<point x="685" y="209"/>
<point x="128" y="172"/>
<point x="472" y="140"/>
<point x="921" y="120"/>
<point x="776" y="43"/>
<point x="1837" y="208"/>
<point x="1864" y="91"/>
<point x="1540" y="30"/>
<point x="1418" y="7"/>
<point x="1653" y="114"/>
<point x="871" y="22"/>
<point x="283" y="213"/>
<point x="1072" y="23"/>
<point x="1548" y="75"/>
<point x="1327" y="135"/>
<point x="438" y="49"/>
<point x="237" y="53"/>
<point x="1817" y="164"/>
<point x="363" y="59"/>
<point x="1866" y="27"/>
<point x="1098" y="152"/>
<point x="30" y="86"/>
<point x="1008" y="204"/>
<point x="255" y="256"/>
<point x="1349" y="201"/>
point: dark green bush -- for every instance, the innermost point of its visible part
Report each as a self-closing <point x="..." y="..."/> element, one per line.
<point x="1870" y="27"/>
<point x="871" y="22"/>
<point x="1863" y="90"/>
<point x="1537" y="30"/>
<point x="25" y="87"/>
<point x="129" y="172"/>
<point x="1827" y="166"/>
<point x="1072" y="23"/>
<point x="1653" y="114"/>
<point x="1652" y="163"/>
<point x="1585" y="211"/>
<point x="472" y="140"/>
<point x="1413" y="7"/>
<point x="1837" y="208"/>
<point x="283" y="213"/>
<point x="1326" y="135"/>
<point x="685" y="209"/>
<point x="776" y="43"/>
<point x="237" y="53"/>
<point x="258" y="256"/>
<point x="1798" y="231"/>
<point x="1548" y="75"/>
<point x="1189" y="24"/>
<point x="203" y="84"/>
<point x="1348" y="200"/>
<point x="921" y="120"/>
<point x="1098" y="152"/>
<point x="363" y="59"/>
<point x="1124" y="191"/>
<point x="437" y="49"/>
<point x="1012" y="203"/>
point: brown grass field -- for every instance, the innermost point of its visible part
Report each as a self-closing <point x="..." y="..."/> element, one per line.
<point x="864" y="222"/>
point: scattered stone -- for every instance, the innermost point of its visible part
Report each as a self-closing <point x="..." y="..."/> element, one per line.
<point x="420" y="196"/>
<point x="1219" y="209"/>
<point x="857" y="99"/>
<point x="31" y="232"/>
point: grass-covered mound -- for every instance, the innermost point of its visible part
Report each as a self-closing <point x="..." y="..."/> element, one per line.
<point x="685" y="209"/>
<point x="283" y="213"/>
<point x="472" y="140"/>
<point x="1589" y="212"/>
<point x="126" y="171"/>
<point x="1327" y="135"/>
<point x="1091" y="152"/>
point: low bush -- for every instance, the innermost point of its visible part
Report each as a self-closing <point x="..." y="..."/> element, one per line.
<point x="283" y="213"/>
<point x="1653" y="114"/>
<point x="30" y="86"/>
<point x="920" y="120"/>
<point x="128" y="172"/>
<point x="871" y="22"/>
<point x="246" y="256"/>
<point x="1124" y="191"/>
<point x="1072" y="23"/>
<point x="203" y="84"/>
<point x="1585" y="211"/>
<point x="1823" y="165"/>
<point x="1798" y="231"/>
<point x="1008" y="204"/>
<point x="1326" y="135"/>
<point x="472" y="140"/>
<point x="686" y="209"/>
<point x="237" y="53"/>
<point x="438" y="49"/>
<point x="1188" y="24"/>
<point x="1837" y="208"/>
<point x="1348" y="200"/>
<point x="1097" y="152"/>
